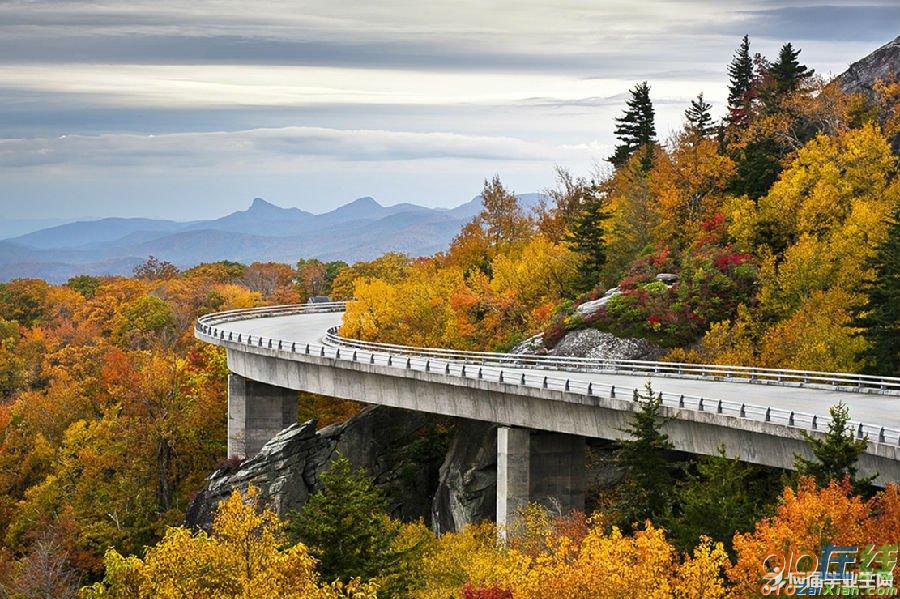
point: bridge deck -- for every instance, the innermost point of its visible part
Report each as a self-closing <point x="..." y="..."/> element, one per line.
<point x="873" y="409"/>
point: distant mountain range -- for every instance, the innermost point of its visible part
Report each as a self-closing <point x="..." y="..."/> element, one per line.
<point x="360" y="230"/>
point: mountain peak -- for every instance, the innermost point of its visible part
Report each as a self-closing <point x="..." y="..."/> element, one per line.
<point x="364" y="202"/>
<point x="261" y="204"/>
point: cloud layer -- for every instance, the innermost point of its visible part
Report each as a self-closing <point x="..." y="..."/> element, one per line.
<point x="99" y="94"/>
<point x="287" y="147"/>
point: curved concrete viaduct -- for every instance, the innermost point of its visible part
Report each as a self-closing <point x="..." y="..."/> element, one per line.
<point x="546" y="407"/>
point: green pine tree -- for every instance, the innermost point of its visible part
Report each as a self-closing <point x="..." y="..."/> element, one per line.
<point x="787" y="73"/>
<point x="699" y="119"/>
<point x="646" y="491"/>
<point x="722" y="497"/>
<point x="347" y="530"/>
<point x="836" y="453"/>
<point x="586" y="237"/>
<point x="740" y="76"/>
<point x="636" y="128"/>
<point x="881" y="313"/>
<point x="758" y="166"/>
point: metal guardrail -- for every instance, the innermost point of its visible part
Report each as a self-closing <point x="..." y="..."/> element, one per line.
<point x="742" y="374"/>
<point x="511" y="369"/>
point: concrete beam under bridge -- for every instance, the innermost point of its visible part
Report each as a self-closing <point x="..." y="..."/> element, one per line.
<point x="538" y="467"/>
<point x="256" y="413"/>
<point x="553" y="410"/>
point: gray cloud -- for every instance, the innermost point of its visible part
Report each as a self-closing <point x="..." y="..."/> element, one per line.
<point x="192" y="150"/>
<point x="607" y="39"/>
<point x="842" y="23"/>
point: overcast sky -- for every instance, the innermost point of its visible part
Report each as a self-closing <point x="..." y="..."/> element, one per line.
<point x="190" y="109"/>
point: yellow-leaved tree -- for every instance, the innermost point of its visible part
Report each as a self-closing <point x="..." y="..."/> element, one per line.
<point x="550" y="557"/>
<point x="814" y="232"/>
<point x="246" y="555"/>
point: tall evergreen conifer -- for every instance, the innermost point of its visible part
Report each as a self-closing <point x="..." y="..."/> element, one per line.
<point x="881" y="313"/>
<point x="587" y="239"/>
<point x="636" y="128"/>
<point x="646" y="491"/>
<point x="835" y="454"/>
<point x="740" y="75"/>
<point x="787" y="72"/>
<point x="699" y="120"/>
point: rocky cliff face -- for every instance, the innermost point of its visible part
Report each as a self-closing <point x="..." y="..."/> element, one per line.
<point x="402" y="450"/>
<point x="882" y="64"/>
<point x="467" y="488"/>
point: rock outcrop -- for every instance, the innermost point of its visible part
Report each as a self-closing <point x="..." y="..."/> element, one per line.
<point x="402" y="450"/>
<point x="467" y="490"/>
<point x="591" y="343"/>
<point x="882" y="64"/>
<point x="591" y="307"/>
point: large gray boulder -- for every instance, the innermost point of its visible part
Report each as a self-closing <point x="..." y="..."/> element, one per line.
<point x="402" y="450"/>
<point x="591" y="343"/>
<point x="467" y="489"/>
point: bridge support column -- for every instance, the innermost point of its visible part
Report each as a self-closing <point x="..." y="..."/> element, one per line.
<point x="256" y="413"/>
<point x="538" y="467"/>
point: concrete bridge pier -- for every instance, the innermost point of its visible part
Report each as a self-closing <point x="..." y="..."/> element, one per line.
<point x="538" y="467"/>
<point x="256" y="413"/>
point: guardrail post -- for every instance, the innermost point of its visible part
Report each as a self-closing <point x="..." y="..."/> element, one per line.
<point x="229" y="335"/>
<point x="337" y="354"/>
<point x="881" y="435"/>
<point x="768" y="414"/>
<point x="323" y="351"/>
<point x="372" y="358"/>
<point x="860" y="433"/>
<point x="353" y="357"/>
<point x="567" y="385"/>
<point x="720" y="406"/>
<point x="815" y="422"/>
<point x="743" y="411"/>
<point x="390" y="359"/>
<point x="545" y="382"/>
<point x="293" y="347"/>
<point x="427" y="365"/>
<point x="791" y="419"/>
<point x="480" y="374"/>
<point x="700" y="405"/>
<point x="635" y="396"/>
<point x="447" y="369"/>
<point x="523" y="378"/>
<point x="681" y="401"/>
<point x="307" y="349"/>
<point x="463" y="371"/>
<point x="408" y="362"/>
<point x="590" y="389"/>
<point x="239" y="337"/>
<point x="500" y="378"/>
<point x="612" y="391"/>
